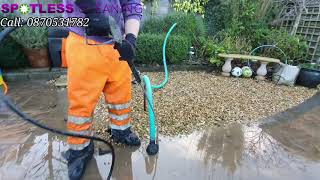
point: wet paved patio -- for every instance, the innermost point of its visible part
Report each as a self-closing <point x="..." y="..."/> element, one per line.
<point x="285" y="146"/>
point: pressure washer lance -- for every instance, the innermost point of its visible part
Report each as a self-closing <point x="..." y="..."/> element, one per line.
<point x="152" y="149"/>
<point x="117" y="37"/>
<point x="6" y="100"/>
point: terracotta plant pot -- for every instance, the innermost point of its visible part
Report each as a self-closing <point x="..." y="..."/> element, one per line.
<point x="38" y="58"/>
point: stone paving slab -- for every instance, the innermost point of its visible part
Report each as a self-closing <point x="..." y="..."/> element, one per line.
<point x="33" y="74"/>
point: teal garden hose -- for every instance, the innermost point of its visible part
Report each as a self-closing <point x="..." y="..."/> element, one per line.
<point x="153" y="146"/>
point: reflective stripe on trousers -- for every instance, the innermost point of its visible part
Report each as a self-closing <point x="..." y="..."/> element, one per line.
<point x="120" y="116"/>
<point x="82" y="126"/>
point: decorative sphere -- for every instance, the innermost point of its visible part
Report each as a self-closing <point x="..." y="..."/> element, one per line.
<point x="237" y="72"/>
<point x="247" y="72"/>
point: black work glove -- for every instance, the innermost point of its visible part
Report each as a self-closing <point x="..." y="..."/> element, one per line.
<point x="127" y="48"/>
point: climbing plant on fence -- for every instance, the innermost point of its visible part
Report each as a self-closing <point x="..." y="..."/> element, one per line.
<point x="193" y="6"/>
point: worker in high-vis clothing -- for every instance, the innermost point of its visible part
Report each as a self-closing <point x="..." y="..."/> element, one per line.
<point x="97" y="65"/>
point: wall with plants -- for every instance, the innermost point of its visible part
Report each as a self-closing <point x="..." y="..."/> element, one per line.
<point x="247" y="27"/>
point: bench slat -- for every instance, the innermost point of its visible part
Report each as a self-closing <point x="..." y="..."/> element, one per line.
<point x="258" y="58"/>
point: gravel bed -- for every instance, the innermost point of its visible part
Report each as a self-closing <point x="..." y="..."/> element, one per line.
<point x="196" y="100"/>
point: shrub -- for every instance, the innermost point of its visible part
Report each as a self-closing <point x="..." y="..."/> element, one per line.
<point x="189" y="25"/>
<point x="239" y="17"/>
<point x="31" y="37"/>
<point x="153" y="25"/>
<point x="294" y="47"/>
<point x="194" y="6"/>
<point x="11" y="55"/>
<point x="212" y="51"/>
<point x="216" y="16"/>
<point x="149" y="48"/>
<point x="228" y="44"/>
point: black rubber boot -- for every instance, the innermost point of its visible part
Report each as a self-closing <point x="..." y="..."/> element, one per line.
<point x="77" y="161"/>
<point x="126" y="137"/>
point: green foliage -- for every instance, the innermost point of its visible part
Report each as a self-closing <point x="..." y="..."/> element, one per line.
<point x="11" y="55"/>
<point x="201" y="28"/>
<point x="189" y="25"/>
<point x="227" y="44"/>
<point x="153" y="25"/>
<point x="294" y="46"/>
<point x="247" y="27"/>
<point x="190" y="6"/>
<point x="217" y="16"/>
<point x="234" y="44"/>
<point x="149" y="48"/>
<point x="31" y="37"/>
<point x="213" y="49"/>
<point x="312" y="66"/>
<point x="240" y="17"/>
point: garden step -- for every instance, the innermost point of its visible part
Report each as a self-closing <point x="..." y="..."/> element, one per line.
<point x="33" y="74"/>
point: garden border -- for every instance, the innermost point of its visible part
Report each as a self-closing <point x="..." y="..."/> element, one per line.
<point x="31" y="74"/>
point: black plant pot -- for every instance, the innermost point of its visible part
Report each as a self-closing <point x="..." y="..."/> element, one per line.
<point x="308" y="78"/>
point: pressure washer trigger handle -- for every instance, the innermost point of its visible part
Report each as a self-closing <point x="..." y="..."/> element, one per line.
<point x="144" y="102"/>
<point x="134" y="70"/>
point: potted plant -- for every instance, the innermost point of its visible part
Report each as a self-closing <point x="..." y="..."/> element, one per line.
<point x="35" y="45"/>
<point x="309" y="75"/>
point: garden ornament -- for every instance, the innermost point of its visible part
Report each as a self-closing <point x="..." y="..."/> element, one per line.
<point x="237" y="72"/>
<point x="247" y="72"/>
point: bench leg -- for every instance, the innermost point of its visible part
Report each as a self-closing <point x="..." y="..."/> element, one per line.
<point x="226" y="68"/>
<point x="262" y="71"/>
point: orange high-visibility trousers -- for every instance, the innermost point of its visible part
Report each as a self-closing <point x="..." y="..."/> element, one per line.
<point x="93" y="70"/>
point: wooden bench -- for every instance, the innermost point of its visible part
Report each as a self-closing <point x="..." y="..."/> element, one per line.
<point x="261" y="72"/>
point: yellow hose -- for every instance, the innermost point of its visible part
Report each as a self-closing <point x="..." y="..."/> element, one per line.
<point x="5" y="88"/>
<point x="4" y="84"/>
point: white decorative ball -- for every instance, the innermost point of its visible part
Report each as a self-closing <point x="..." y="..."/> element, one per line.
<point x="237" y="72"/>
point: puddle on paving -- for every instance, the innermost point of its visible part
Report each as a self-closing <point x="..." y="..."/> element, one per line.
<point x="288" y="150"/>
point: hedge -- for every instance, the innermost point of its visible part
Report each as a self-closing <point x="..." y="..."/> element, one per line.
<point x="189" y="25"/>
<point x="149" y="48"/>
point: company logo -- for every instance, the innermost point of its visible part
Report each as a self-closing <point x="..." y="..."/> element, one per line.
<point x="24" y="9"/>
<point x="33" y="8"/>
<point x="68" y="8"/>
